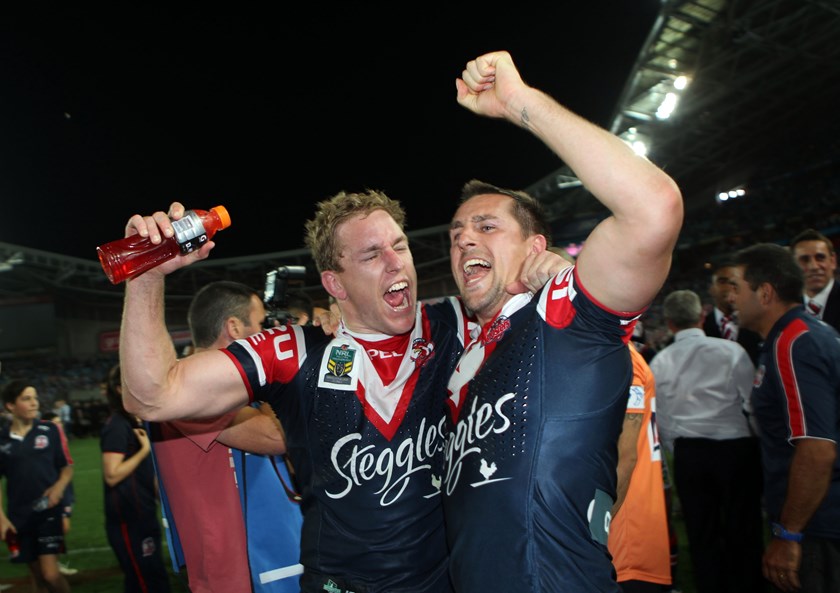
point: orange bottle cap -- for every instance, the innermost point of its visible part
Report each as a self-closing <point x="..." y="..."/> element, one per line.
<point x="223" y="215"/>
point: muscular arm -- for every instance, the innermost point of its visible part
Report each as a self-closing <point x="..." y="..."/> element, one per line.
<point x="627" y="454"/>
<point x="256" y="431"/>
<point x="156" y="385"/>
<point x="627" y="256"/>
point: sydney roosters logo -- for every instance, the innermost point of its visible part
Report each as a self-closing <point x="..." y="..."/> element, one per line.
<point x="422" y="351"/>
<point x="497" y="330"/>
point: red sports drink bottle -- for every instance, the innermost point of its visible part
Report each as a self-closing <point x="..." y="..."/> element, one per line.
<point x="131" y="256"/>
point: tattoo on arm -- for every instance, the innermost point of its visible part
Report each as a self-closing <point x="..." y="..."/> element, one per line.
<point x="634" y="418"/>
<point x="524" y="119"/>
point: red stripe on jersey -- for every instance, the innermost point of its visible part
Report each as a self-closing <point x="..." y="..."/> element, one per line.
<point x="64" y="446"/>
<point x="582" y="288"/>
<point x="242" y="375"/>
<point x="389" y="429"/>
<point x="387" y="355"/>
<point x="787" y="375"/>
<point x="559" y="311"/>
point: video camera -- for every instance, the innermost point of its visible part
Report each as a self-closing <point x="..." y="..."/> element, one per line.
<point x="274" y="295"/>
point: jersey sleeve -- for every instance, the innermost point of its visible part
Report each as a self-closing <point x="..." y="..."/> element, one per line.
<point x="806" y="382"/>
<point x="270" y="357"/>
<point x="563" y="300"/>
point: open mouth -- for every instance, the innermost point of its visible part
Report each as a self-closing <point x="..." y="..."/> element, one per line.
<point x="397" y="296"/>
<point x="475" y="269"/>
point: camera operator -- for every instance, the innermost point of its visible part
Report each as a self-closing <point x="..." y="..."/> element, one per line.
<point x="299" y="308"/>
<point x="281" y="306"/>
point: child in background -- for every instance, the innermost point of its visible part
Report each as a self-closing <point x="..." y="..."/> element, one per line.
<point x="37" y="465"/>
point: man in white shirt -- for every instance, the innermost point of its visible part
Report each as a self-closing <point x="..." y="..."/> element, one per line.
<point x="703" y="386"/>
<point x="814" y="252"/>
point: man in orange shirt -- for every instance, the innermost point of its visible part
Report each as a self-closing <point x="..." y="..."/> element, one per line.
<point x="638" y="540"/>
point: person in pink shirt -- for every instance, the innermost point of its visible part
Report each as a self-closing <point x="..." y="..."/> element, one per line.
<point x="193" y="459"/>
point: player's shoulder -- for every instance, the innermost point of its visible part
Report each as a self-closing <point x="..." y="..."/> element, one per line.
<point x="446" y="314"/>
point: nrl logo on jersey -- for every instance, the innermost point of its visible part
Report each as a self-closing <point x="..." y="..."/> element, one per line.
<point x="340" y="365"/>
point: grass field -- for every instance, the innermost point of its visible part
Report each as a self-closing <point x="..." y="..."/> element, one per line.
<point x="87" y="546"/>
<point x="89" y="552"/>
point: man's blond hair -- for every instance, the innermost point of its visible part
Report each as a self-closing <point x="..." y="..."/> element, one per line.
<point x="321" y="230"/>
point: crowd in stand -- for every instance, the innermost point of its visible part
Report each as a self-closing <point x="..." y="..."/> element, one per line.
<point x="79" y="382"/>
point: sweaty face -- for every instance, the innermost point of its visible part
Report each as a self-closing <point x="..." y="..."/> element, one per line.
<point x="377" y="291"/>
<point x="818" y="264"/>
<point x="486" y="251"/>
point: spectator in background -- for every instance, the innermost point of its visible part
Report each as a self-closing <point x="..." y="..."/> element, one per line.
<point x="723" y="320"/>
<point x="64" y="412"/>
<point x="37" y="466"/>
<point x="703" y="386"/>
<point x="641" y="343"/>
<point x="814" y="252"/>
<point x="797" y="404"/>
<point x="193" y="459"/>
<point x="639" y="539"/>
<point x="131" y="516"/>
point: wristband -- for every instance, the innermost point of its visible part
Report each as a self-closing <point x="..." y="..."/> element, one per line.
<point x="781" y="533"/>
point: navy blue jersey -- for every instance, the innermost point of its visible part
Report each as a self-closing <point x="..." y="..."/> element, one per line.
<point x="536" y="407"/>
<point x="31" y="465"/>
<point x="363" y="426"/>
<point x="133" y="500"/>
<point x="797" y="395"/>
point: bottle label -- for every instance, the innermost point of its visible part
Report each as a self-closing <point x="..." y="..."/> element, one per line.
<point x="189" y="232"/>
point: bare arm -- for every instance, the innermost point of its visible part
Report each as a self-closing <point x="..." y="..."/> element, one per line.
<point x="256" y="431"/>
<point x="627" y="455"/>
<point x="156" y="385"/>
<point x="808" y="483"/>
<point x="627" y="256"/>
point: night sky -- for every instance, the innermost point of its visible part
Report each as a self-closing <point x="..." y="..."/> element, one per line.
<point x="269" y="112"/>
